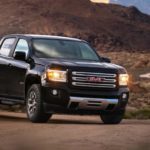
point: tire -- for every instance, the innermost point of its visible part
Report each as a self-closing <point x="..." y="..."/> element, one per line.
<point x="112" y="118"/>
<point x="34" y="105"/>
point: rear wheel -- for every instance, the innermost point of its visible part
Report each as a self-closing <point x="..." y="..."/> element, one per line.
<point x="34" y="105"/>
<point x="112" y="118"/>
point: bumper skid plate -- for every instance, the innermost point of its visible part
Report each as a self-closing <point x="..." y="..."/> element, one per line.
<point x="91" y="103"/>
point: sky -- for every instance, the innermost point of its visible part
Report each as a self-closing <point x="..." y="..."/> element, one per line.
<point x="142" y="5"/>
<point x="101" y="1"/>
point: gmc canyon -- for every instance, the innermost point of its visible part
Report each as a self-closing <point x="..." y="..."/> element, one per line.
<point x="54" y="74"/>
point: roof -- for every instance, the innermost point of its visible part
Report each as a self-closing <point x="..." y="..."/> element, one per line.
<point x="45" y="36"/>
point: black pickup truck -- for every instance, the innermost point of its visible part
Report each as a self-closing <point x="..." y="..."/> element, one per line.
<point x="53" y="74"/>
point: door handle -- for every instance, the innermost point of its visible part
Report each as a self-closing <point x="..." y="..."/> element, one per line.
<point x="10" y="65"/>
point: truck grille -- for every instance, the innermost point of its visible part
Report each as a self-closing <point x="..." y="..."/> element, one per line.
<point x="95" y="80"/>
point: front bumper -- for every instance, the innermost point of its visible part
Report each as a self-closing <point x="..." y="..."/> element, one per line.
<point x="79" y="101"/>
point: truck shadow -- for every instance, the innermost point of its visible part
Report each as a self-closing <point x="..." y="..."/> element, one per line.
<point x="4" y="118"/>
<point x="7" y="118"/>
<point x="98" y="122"/>
<point x="15" y="118"/>
<point x="73" y="122"/>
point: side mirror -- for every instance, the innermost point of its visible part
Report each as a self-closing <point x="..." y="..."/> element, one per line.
<point x="20" y="55"/>
<point x="104" y="59"/>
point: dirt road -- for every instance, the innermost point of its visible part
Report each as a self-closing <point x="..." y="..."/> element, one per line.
<point x="72" y="133"/>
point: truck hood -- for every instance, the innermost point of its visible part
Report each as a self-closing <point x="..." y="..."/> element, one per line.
<point x="78" y="65"/>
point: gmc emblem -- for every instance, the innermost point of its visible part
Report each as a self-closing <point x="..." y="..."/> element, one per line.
<point x="95" y="79"/>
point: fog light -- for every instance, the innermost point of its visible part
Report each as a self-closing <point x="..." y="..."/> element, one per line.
<point x="54" y="92"/>
<point x="124" y="96"/>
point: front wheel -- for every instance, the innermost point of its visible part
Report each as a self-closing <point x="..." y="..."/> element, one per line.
<point x="112" y="118"/>
<point x="34" y="105"/>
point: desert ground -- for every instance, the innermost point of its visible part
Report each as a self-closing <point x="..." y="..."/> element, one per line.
<point x="72" y="132"/>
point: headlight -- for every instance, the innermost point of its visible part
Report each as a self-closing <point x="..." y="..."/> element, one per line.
<point x="57" y="75"/>
<point x="123" y="79"/>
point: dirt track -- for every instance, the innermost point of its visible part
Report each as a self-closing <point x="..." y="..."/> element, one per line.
<point x="72" y="132"/>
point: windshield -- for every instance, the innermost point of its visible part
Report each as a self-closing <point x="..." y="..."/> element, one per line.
<point x="66" y="49"/>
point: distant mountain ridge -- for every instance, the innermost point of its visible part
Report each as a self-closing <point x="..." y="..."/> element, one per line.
<point x="142" y="5"/>
<point x="107" y="27"/>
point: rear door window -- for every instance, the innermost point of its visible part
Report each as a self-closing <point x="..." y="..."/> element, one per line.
<point x="7" y="46"/>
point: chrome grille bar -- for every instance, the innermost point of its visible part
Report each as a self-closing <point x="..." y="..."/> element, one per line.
<point x="105" y="80"/>
<point x="93" y="85"/>
<point x="93" y="74"/>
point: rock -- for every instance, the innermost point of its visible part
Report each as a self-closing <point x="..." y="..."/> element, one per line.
<point x="131" y="109"/>
<point x="145" y="76"/>
<point x="135" y="87"/>
<point x="141" y="63"/>
<point x="145" y="85"/>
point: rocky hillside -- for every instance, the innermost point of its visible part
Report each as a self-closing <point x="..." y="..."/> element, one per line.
<point x="107" y="27"/>
<point x="139" y="86"/>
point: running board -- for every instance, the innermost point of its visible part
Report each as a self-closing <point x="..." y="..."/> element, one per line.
<point x="9" y="101"/>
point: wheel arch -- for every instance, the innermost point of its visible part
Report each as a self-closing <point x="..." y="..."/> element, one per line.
<point x="30" y="80"/>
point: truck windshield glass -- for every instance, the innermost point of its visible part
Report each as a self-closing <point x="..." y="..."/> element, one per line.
<point x="66" y="49"/>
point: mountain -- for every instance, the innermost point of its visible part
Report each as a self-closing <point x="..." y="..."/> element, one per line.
<point x="142" y="5"/>
<point x="107" y="27"/>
